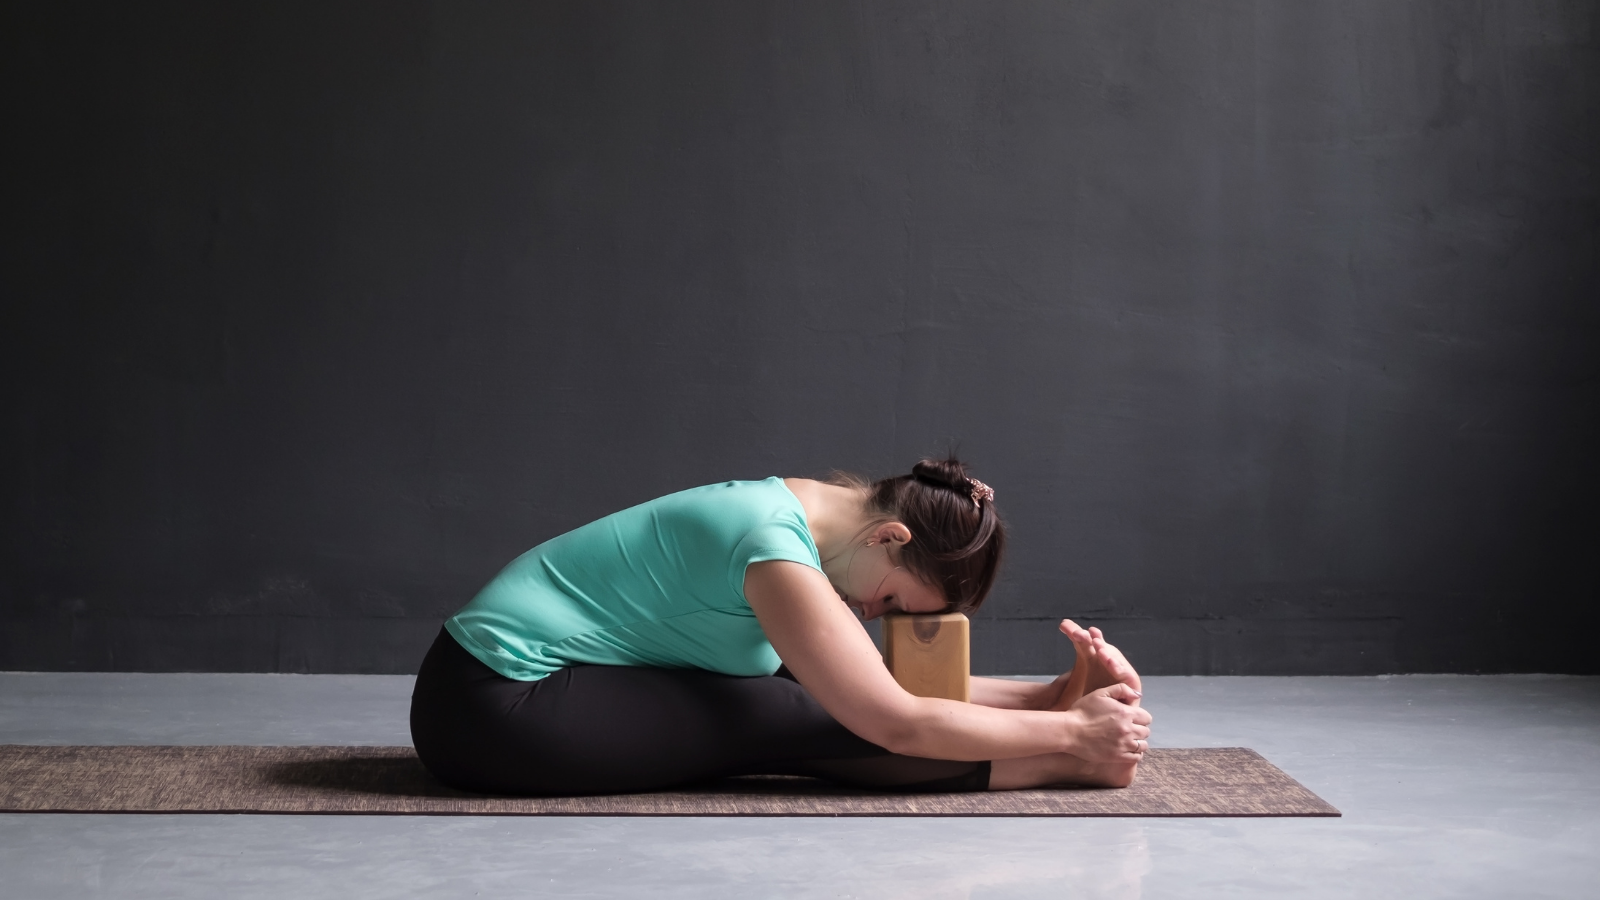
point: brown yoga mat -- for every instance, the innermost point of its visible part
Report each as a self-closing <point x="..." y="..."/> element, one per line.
<point x="1229" y="781"/>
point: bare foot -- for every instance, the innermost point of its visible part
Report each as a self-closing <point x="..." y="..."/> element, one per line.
<point x="1098" y="665"/>
<point x="1076" y="682"/>
<point x="1058" y="768"/>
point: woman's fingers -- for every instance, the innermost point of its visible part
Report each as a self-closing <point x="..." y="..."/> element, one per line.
<point x="1122" y="692"/>
<point x="1114" y="729"/>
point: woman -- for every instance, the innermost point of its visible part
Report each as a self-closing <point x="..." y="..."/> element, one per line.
<point x="638" y="652"/>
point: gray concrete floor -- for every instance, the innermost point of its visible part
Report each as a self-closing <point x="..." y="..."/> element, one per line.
<point x="1451" y="786"/>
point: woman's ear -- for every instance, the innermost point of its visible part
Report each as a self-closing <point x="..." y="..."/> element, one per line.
<point x="892" y="534"/>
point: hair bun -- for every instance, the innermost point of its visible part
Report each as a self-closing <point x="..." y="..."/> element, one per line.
<point x="949" y="473"/>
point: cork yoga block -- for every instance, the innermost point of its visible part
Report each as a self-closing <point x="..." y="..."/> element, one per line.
<point x="929" y="655"/>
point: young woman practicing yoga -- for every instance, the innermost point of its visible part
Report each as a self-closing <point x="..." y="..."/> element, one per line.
<point x="638" y="652"/>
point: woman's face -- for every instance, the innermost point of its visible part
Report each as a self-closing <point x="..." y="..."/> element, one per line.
<point x="876" y="584"/>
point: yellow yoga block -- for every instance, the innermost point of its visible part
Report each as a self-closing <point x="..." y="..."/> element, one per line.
<point x="930" y="655"/>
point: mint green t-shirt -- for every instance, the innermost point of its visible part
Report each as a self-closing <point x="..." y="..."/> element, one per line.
<point x="660" y="584"/>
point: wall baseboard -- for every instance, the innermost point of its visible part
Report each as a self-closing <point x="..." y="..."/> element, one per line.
<point x="1009" y="646"/>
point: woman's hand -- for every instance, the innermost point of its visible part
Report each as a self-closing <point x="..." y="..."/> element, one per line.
<point x="1110" y="726"/>
<point x="828" y="650"/>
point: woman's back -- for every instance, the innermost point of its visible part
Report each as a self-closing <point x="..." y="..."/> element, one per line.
<point x="660" y="584"/>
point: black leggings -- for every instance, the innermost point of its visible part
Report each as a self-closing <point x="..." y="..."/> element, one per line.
<point x="608" y="729"/>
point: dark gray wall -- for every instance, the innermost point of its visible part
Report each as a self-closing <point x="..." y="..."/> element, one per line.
<point x="1273" y="324"/>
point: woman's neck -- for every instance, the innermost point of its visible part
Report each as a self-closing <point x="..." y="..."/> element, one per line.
<point x="836" y="515"/>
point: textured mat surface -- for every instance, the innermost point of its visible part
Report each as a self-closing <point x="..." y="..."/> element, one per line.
<point x="1229" y="781"/>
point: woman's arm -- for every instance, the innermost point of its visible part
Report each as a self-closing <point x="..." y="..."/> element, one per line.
<point x="830" y="653"/>
<point x="1003" y="693"/>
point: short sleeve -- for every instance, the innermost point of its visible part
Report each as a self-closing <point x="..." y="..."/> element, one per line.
<point x="782" y="538"/>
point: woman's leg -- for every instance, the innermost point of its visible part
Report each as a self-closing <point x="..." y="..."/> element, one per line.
<point x="598" y="729"/>
<point x="1058" y="768"/>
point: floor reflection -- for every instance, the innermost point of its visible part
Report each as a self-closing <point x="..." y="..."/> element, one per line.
<point x="1109" y="866"/>
<point x="910" y="858"/>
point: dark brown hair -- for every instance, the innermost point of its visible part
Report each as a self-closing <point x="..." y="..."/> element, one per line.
<point x="956" y="542"/>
